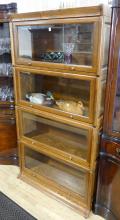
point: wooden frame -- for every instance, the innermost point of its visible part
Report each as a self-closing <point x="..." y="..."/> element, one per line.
<point x="69" y="197"/>
<point x="112" y="78"/>
<point x="100" y="98"/>
<point x="99" y="10"/>
<point x="92" y="80"/>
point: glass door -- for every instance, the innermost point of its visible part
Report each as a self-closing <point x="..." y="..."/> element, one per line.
<point x="62" y="178"/>
<point x="6" y="77"/>
<point x="64" y="175"/>
<point x="68" y="142"/>
<point x="61" y="45"/>
<point x="63" y="94"/>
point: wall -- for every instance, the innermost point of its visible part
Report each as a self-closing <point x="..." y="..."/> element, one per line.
<point x="39" y="5"/>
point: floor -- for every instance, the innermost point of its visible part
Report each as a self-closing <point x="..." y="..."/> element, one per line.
<point x="35" y="202"/>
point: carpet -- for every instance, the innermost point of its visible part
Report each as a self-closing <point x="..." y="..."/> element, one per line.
<point x="9" y="210"/>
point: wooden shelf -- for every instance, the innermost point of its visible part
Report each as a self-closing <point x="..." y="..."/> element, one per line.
<point x="63" y="143"/>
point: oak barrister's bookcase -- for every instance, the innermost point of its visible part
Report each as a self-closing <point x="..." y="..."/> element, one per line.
<point x="60" y="66"/>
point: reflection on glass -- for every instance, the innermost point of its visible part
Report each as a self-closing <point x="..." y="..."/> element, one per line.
<point x="63" y="94"/>
<point x="56" y="135"/>
<point x="5" y="57"/>
<point x="5" y="69"/>
<point x="64" y="43"/>
<point x="64" y="175"/>
<point x="4" y="45"/>
<point x="6" y="93"/>
<point x="4" y="38"/>
<point x="116" y="117"/>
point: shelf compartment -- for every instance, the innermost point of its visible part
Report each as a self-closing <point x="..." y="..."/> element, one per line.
<point x="45" y="166"/>
<point x="56" y="43"/>
<point x="71" y="182"/>
<point x="63" y="44"/>
<point x="69" y="142"/>
<point x="63" y="94"/>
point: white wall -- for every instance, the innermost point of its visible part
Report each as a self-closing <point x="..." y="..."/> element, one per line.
<point x="40" y="5"/>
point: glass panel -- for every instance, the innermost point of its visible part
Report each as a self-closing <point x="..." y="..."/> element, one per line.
<point x="57" y="43"/>
<point x="116" y="116"/>
<point x="64" y="175"/>
<point x="63" y="94"/>
<point x="6" y="91"/>
<point x="5" y="56"/>
<point x="6" y="83"/>
<point x="4" y="38"/>
<point x="57" y="135"/>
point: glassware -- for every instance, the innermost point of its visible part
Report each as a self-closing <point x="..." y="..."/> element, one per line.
<point x="9" y="69"/>
<point x="6" y="94"/>
<point x="68" y="50"/>
<point x="4" y="45"/>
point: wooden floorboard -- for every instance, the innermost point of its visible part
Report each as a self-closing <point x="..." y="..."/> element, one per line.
<point x="34" y="201"/>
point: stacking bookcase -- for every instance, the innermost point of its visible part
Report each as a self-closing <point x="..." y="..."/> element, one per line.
<point x="60" y="68"/>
